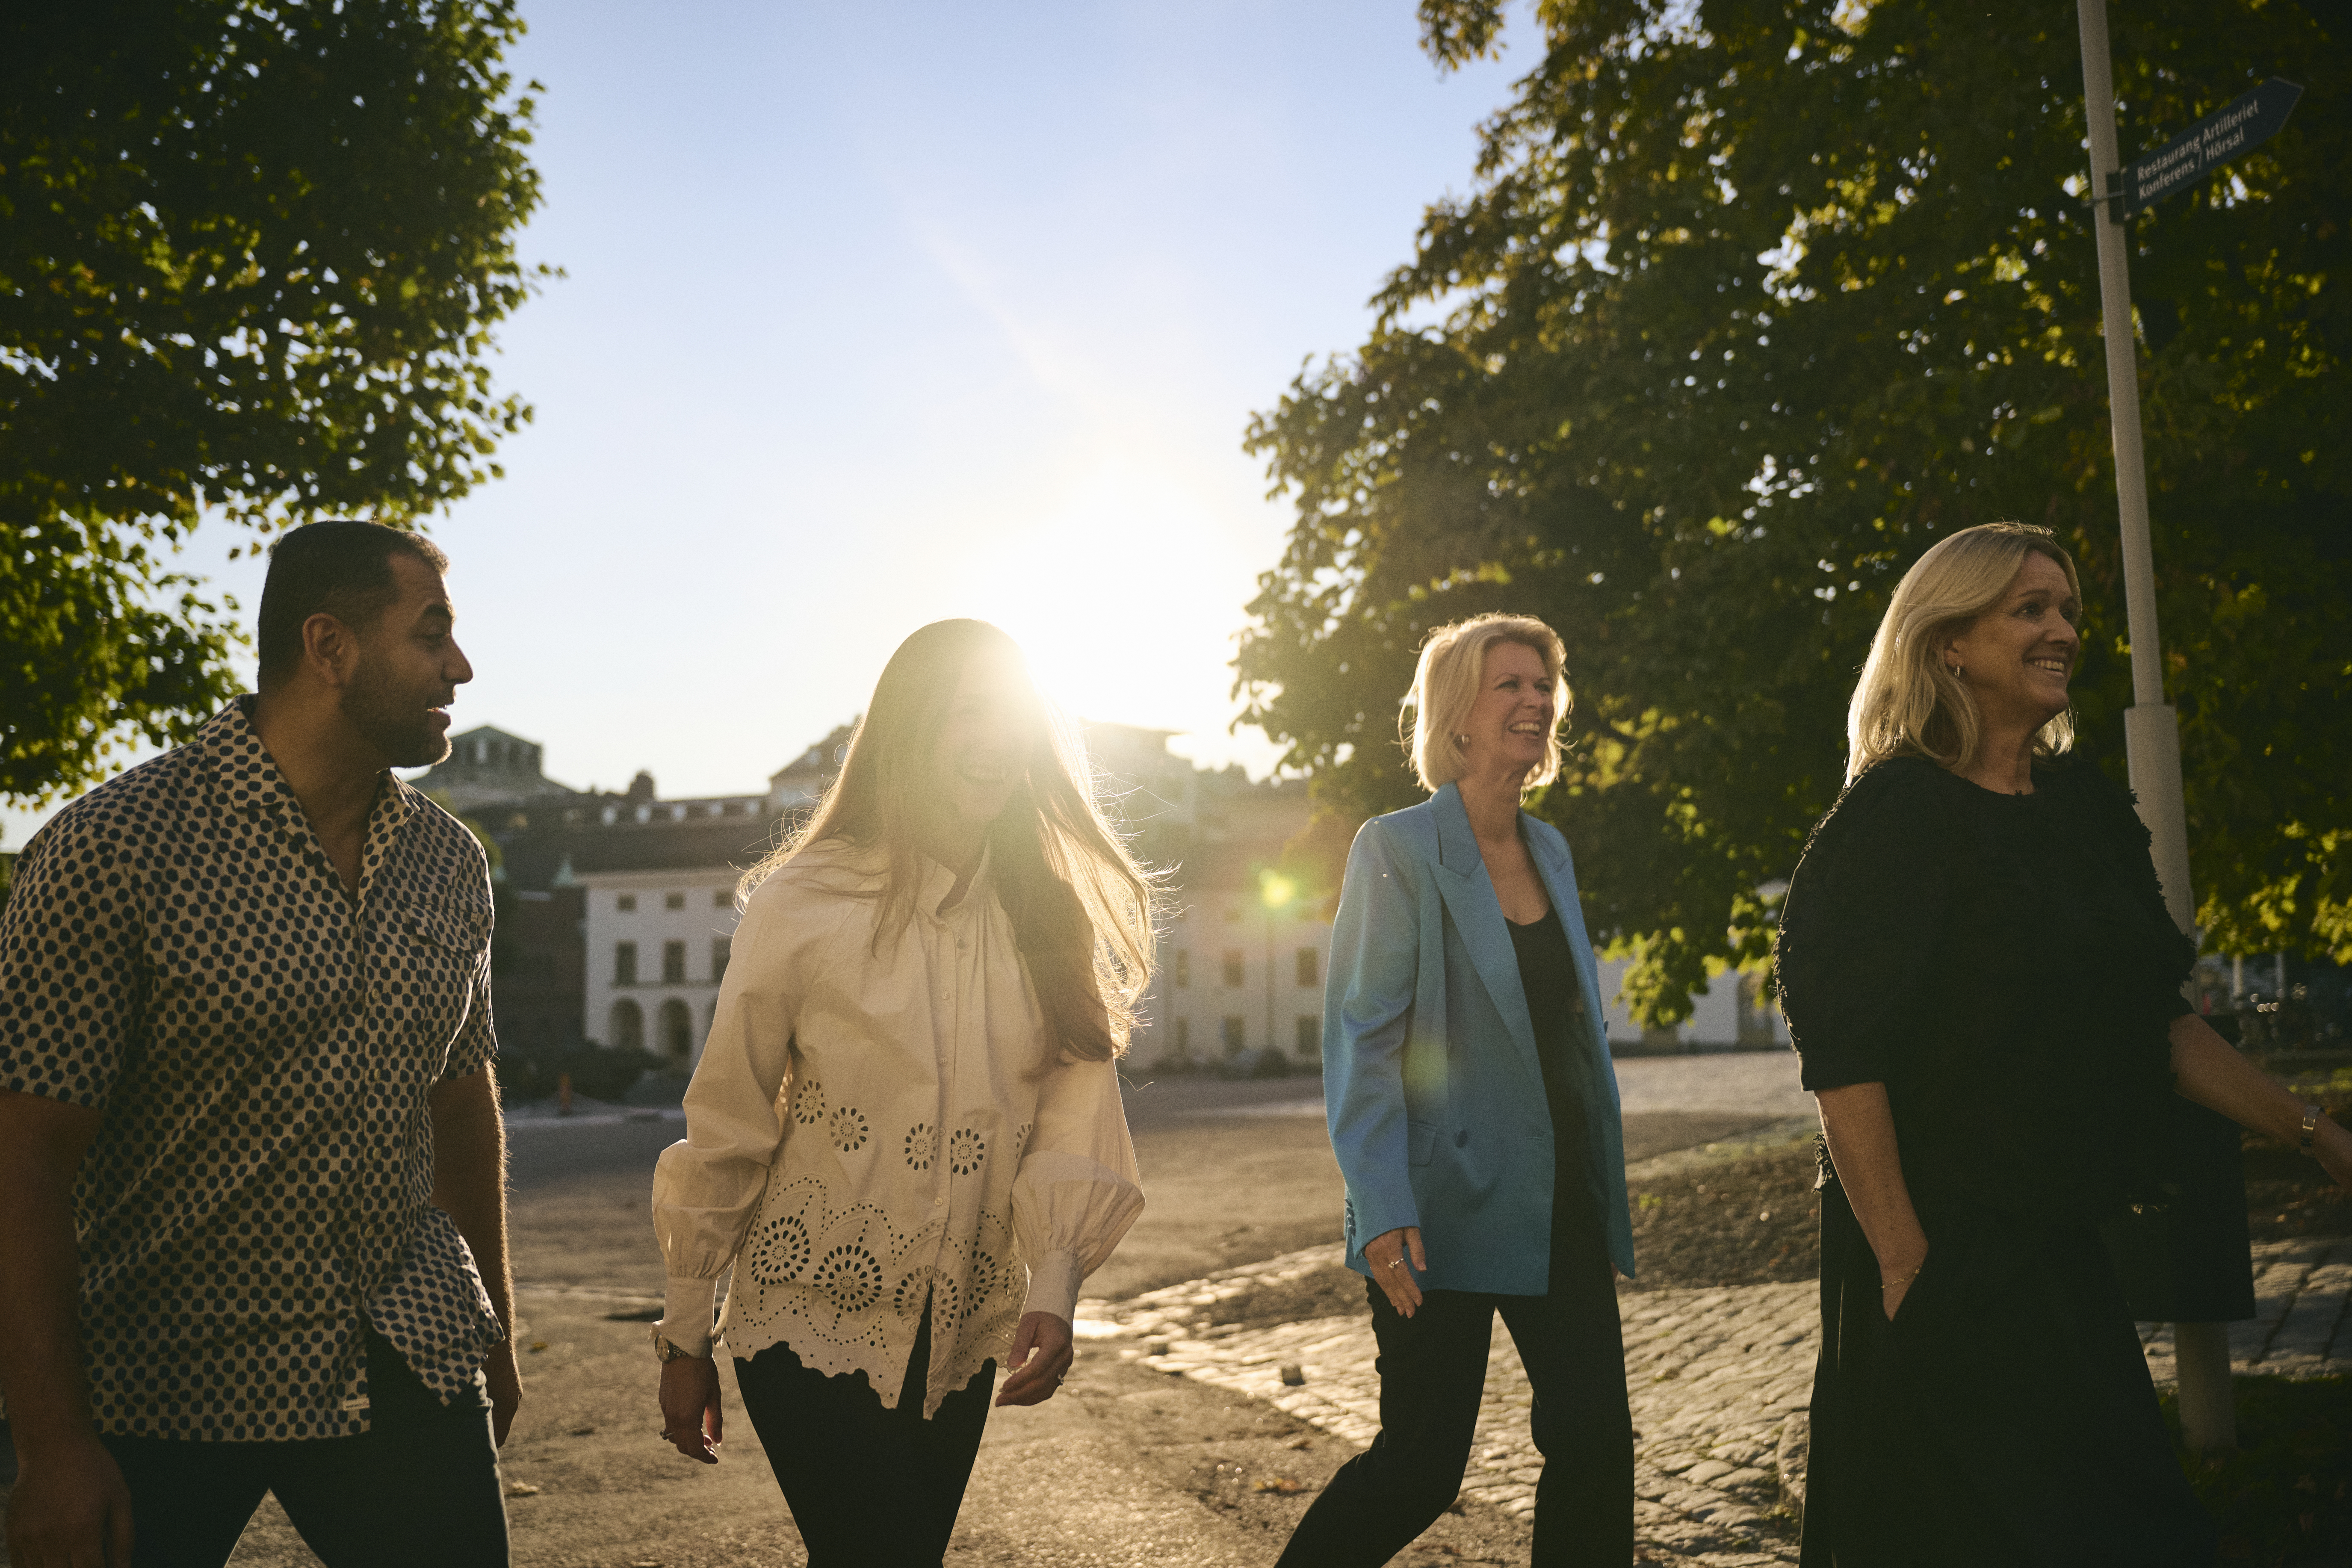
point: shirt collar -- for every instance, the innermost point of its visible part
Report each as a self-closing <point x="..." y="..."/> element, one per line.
<point x="244" y="774"/>
<point x="938" y="881"/>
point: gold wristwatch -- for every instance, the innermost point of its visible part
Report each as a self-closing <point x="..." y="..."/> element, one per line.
<point x="667" y="1351"/>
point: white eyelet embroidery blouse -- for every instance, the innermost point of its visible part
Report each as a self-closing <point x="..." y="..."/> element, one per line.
<point x="867" y="1131"/>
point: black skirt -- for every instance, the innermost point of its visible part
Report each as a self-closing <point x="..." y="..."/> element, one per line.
<point x="2005" y="1416"/>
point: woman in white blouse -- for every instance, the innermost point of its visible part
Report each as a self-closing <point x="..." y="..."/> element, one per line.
<point x="905" y="1134"/>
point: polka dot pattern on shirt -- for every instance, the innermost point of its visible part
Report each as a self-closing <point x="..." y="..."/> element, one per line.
<point x="179" y="953"/>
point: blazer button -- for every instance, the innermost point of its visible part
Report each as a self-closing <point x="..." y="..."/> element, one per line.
<point x="1462" y="1139"/>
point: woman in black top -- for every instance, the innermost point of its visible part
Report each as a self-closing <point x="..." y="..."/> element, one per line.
<point x="1977" y="966"/>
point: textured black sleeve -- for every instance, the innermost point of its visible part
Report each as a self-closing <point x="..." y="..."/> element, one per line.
<point x="2114" y="811"/>
<point x="1862" y="922"/>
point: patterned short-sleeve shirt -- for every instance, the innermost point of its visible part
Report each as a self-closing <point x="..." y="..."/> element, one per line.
<point x="178" y="953"/>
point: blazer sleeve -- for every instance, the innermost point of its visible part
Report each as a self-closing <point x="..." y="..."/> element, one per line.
<point x="1366" y="1012"/>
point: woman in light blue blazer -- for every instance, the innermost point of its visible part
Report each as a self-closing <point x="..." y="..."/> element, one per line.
<point x="1474" y="1112"/>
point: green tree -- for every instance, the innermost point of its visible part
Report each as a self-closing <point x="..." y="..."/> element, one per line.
<point x="250" y="256"/>
<point x="1749" y="304"/>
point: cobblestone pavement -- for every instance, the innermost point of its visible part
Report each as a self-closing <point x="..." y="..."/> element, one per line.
<point x="1715" y="1377"/>
<point x="2299" y="1327"/>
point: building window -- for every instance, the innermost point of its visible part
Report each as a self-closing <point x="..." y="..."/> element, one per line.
<point x="1185" y="1036"/>
<point x="626" y="903"/>
<point x="674" y="900"/>
<point x="719" y="948"/>
<point x="673" y="962"/>
<point x="1232" y="967"/>
<point x="1310" y="1035"/>
<point x="1232" y="1034"/>
<point x="676" y="1031"/>
<point x="722" y="897"/>
<point x="624" y="964"/>
<point x="625" y="1031"/>
<point x="1311" y="967"/>
<point x="1182" y="971"/>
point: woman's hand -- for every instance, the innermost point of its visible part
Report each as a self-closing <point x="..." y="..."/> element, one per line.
<point x="1386" y="1255"/>
<point x="689" y="1406"/>
<point x="1041" y="1353"/>
<point x="1897" y="1284"/>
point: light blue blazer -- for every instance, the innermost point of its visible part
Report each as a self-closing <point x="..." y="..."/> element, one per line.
<point x="1430" y="1074"/>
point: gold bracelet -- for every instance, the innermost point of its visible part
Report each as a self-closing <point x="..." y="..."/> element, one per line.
<point x="1905" y="1279"/>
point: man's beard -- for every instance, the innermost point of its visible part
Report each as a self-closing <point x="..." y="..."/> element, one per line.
<point x="398" y="724"/>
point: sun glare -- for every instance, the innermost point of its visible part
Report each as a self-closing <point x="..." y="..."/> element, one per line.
<point x="1125" y="600"/>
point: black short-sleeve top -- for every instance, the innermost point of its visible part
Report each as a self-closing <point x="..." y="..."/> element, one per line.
<point x="2005" y="965"/>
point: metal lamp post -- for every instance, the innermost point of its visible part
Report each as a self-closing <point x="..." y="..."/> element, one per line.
<point x="2152" y="727"/>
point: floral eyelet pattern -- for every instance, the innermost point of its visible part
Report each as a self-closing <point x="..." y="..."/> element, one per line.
<point x="848" y="1131"/>
<point x="851" y="1276"/>
<point x="966" y="1150"/>
<point x="808" y="1105"/>
<point x="922" y="1146"/>
<point x="780" y="1250"/>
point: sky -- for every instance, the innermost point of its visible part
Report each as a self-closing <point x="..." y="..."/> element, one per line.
<point x="874" y="317"/>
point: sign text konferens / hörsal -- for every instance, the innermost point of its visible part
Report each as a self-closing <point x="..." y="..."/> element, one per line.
<point x="2244" y="123"/>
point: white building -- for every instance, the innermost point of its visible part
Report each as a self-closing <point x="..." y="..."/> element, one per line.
<point x="658" y="877"/>
<point x="658" y="944"/>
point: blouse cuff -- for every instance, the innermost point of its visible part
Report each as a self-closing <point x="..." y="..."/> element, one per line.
<point x="686" y="1313"/>
<point x="1054" y="1281"/>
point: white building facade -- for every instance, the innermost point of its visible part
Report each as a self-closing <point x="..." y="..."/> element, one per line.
<point x="657" y="947"/>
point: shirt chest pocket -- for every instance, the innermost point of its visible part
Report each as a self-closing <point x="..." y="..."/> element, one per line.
<point x="425" y="986"/>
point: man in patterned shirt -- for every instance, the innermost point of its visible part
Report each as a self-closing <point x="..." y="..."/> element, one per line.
<point x="252" y="1208"/>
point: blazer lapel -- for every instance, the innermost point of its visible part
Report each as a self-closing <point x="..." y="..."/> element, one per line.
<point x="1469" y="895"/>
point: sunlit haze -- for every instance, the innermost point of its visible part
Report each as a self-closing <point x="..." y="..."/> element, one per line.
<point x="878" y="315"/>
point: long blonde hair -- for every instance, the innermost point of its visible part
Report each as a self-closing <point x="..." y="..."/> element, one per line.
<point x="1080" y="906"/>
<point x="1907" y="702"/>
<point x="1446" y="686"/>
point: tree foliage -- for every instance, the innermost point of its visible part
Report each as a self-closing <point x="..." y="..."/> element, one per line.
<point x="1752" y="301"/>
<point x="251" y="253"/>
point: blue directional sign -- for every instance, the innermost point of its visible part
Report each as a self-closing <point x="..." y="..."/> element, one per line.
<point x="2212" y="142"/>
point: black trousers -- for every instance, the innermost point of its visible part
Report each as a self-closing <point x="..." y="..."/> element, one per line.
<point x="1432" y="1368"/>
<point x="869" y="1488"/>
<point x="422" y="1486"/>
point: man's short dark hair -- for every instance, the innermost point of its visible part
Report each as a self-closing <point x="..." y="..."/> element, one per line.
<point x="338" y="568"/>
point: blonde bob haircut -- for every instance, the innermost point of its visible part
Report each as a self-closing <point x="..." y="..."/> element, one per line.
<point x="1446" y="684"/>
<point x="1909" y="702"/>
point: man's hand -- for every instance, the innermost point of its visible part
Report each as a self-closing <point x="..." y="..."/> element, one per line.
<point x="71" y="1509"/>
<point x="689" y="1406"/>
<point x="505" y="1377"/>
<point x="1385" y="1255"/>
<point x="1041" y="1353"/>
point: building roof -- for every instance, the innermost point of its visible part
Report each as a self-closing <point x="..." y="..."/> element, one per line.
<point x="485" y="766"/>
